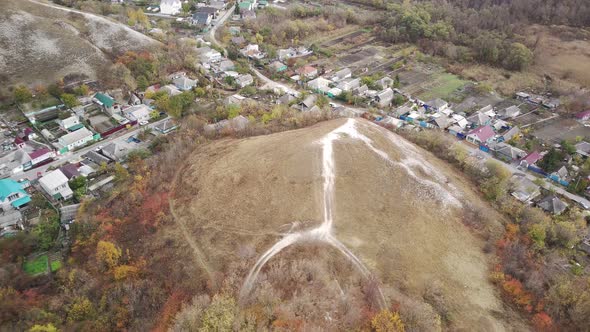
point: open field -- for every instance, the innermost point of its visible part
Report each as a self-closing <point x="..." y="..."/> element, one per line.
<point x="403" y="220"/>
<point x="562" y="53"/>
<point x="441" y="86"/>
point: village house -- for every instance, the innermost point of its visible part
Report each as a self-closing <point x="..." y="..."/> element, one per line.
<point x="552" y="204"/>
<point x="208" y="10"/>
<point x="166" y="126"/>
<point x="14" y="162"/>
<point x="248" y="15"/>
<point x="114" y="151"/>
<point x="307" y="71"/>
<point x="219" y="5"/>
<point x="509" y="134"/>
<point x="252" y="51"/>
<point x="139" y="113"/>
<point x="342" y="74"/>
<point x="385" y="82"/>
<point x="201" y="19"/>
<point x="524" y="189"/>
<point x="278" y="67"/>
<point x="481" y="135"/>
<point x="531" y="159"/>
<point x="41" y="155"/>
<point x="509" y="112"/>
<point x="349" y="84"/>
<point x="583" y="116"/>
<point x="107" y="103"/>
<point x="583" y="149"/>
<point x="286" y="99"/>
<point x="235" y="99"/>
<point x="184" y="83"/>
<point x="76" y="139"/>
<point x="226" y="65"/>
<point x="507" y="152"/>
<point x="244" y="80"/>
<point x="384" y="97"/>
<point x="70" y="171"/>
<point x="479" y="119"/>
<point x="238" y="41"/>
<point x="436" y="105"/>
<point x="207" y="54"/>
<point x="442" y="121"/>
<point x="69" y="123"/>
<point x="319" y="85"/>
<point x="307" y="103"/>
<point x="12" y="195"/>
<point x="55" y="184"/>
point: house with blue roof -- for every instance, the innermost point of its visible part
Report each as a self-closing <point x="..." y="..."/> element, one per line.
<point x="12" y="195"/>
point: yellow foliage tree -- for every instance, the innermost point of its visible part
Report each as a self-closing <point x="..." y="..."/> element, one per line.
<point x="125" y="271"/>
<point x="387" y="321"/>
<point x="43" y="328"/>
<point x="80" y="310"/>
<point x="108" y="254"/>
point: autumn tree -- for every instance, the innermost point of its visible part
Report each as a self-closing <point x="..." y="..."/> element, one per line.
<point x="519" y="57"/>
<point x="220" y="314"/>
<point x="69" y="100"/>
<point x="81" y="309"/>
<point x="22" y="94"/>
<point x="108" y="254"/>
<point x="43" y="328"/>
<point x="387" y="321"/>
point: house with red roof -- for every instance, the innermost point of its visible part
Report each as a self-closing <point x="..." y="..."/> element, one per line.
<point x="307" y="71"/>
<point x="583" y="116"/>
<point x="481" y="135"/>
<point x="531" y="159"/>
<point x="41" y="155"/>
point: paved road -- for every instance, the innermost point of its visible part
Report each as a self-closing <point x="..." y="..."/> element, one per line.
<point x="32" y="173"/>
<point x="219" y="23"/>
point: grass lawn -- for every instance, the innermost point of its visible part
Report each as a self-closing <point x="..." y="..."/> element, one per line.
<point x="442" y="87"/>
<point x="36" y="266"/>
<point x="55" y="265"/>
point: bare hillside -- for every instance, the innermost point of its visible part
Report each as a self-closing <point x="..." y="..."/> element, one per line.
<point x="40" y="42"/>
<point x="302" y="221"/>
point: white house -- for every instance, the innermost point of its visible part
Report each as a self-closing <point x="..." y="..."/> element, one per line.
<point x="67" y="123"/>
<point x="137" y="113"/>
<point x="170" y="7"/>
<point x="244" y="80"/>
<point x="207" y="54"/>
<point x="76" y="138"/>
<point x="184" y="83"/>
<point x="56" y="185"/>
<point x="342" y="74"/>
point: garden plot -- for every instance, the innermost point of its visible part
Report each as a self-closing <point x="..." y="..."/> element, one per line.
<point x="554" y="131"/>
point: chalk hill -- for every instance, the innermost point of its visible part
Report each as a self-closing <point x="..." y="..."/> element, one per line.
<point x="367" y="201"/>
<point x="40" y="43"/>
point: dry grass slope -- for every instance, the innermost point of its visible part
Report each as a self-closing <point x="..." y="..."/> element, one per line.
<point x="40" y="43"/>
<point x="401" y="216"/>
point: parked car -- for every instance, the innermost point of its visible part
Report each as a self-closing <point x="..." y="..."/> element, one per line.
<point x="143" y="123"/>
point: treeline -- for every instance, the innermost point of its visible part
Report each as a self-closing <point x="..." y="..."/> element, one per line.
<point x="464" y="36"/>
<point x="486" y="31"/>
<point x="560" y="12"/>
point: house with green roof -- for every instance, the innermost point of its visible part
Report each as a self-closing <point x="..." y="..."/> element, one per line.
<point x="12" y="195"/>
<point x="107" y="103"/>
<point x="245" y="6"/>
